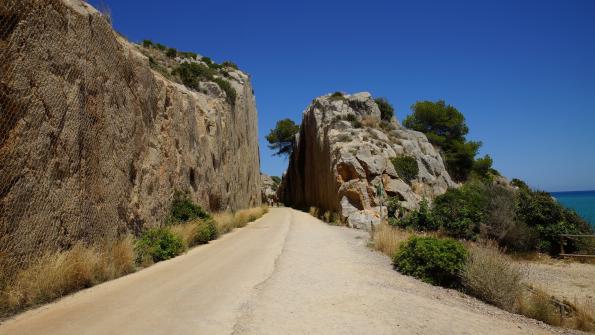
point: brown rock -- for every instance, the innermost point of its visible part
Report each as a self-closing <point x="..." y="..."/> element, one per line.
<point x="93" y="142"/>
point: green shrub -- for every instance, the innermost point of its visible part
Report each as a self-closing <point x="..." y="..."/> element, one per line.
<point x="337" y="96"/>
<point x="541" y="212"/>
<point x="460" y="212"/>
<point x="183" y="209"/>
<point x="435" y="261"/>
<point x="147" y="44"/>
<point x="230" y="64"/>
<point x="192" y="74"/>
<point x="157" y="245"/>
<point x="421" y="219"/>
<point x="187" y="54"/>
<point x="387" y="111"/>
<point x="406" y="167"/>
<point x="207" y="231"/>
<point x="171" y="53"/>
<point x="160" y="46"/>
<point x="230" y="92"/>
<point x="393" y="206"/>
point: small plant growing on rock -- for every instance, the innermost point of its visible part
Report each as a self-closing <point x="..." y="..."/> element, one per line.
<point x="387" y="111"/>
<point x="337" y="96"/>
<point x="183" y="209"/>
<point x="433" y="260"/>
<point x="171" y="53"/>
<point x="229" y="64"/>
<point x="406" y="167"/>
<point x="147" y="44"/>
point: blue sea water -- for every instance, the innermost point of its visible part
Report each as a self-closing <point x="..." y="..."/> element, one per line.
<point x="583" y="202"/>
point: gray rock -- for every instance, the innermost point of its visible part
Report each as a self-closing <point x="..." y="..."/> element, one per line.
<point x="337" y="167"/>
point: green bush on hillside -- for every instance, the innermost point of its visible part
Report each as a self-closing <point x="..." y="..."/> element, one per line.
<point x="157" y="245"/>
<point x="387" y="111"/>
<point x="171" y="53"/>
<point x="147" y="43"/>
<point x="184" y="210"/>
<point x="460" y="212"/>
<point x="435" y="261"/>
<point x="191" y="74"/>
<point x="421" y="219"/>
<point x="539" y="211"/>
<point x="207" y="231"/>
<point x="406" y="167"/>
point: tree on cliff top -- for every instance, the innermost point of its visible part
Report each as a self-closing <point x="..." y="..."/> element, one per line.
<point x="282" y="136"/>
<point x="445" y="127"/>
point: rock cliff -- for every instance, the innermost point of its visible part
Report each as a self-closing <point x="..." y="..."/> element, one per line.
<point x="343" y="153"/>
<point x="94" y="142"/>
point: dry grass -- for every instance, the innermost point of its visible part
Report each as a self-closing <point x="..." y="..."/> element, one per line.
<point x="585" y="315"/>
<point x="492" y="277"/>
<point x="538" y="305"/>
<point x="56" y="274"/>
<point x="227" y="222"/>
<point x="387" y="239"/>
<point x="186" y="232"/>
<point x="370" y="121"/>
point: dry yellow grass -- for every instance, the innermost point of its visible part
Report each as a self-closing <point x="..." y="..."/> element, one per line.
<point x="186" y="232"/>
<point x="370" y="121"/>
<point x="387" y="239"/>
<point x="227" y="222"/>
<point x="492" y="276"/>
<point x="56" y="274"/>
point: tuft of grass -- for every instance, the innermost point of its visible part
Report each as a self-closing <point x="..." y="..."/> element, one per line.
<point x="370" y="121"/>
<point x="491" y="276"/>
<point x="56" y="274"/>
<point x="387" y="239"/>
<point x="538" y="305"/>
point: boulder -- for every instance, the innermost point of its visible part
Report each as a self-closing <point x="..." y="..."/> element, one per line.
<point x="337" y="164"/>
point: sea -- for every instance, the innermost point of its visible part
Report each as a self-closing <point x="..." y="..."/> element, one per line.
<point x="583" y="202"/>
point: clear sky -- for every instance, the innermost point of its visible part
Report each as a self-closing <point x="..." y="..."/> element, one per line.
<point x="521" y="71"/>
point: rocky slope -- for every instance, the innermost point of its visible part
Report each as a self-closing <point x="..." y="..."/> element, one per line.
<point x="94" y="142"/>
<point x="343" y="153"/>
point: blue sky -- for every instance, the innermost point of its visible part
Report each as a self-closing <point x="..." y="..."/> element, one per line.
<point x="522" y="72"/>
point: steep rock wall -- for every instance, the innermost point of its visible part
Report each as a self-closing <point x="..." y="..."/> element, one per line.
<point x="342" y="154"/>
<point x="93" y="143"/>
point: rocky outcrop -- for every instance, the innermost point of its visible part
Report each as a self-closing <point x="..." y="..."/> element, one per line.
<point x="93" y="142"/>
<point x="268" y="188"/>
<point x="343" y="153"/>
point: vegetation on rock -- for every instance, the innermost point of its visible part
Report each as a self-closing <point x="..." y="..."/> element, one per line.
<point x="406" y="167"/>
<point x="445" y="127"/>
<point x="387" y="111"/>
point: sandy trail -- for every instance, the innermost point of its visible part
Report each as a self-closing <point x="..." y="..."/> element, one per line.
<point x="287" y="273"/>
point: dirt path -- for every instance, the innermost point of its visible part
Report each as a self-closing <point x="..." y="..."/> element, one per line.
<point x="284" y="274"/>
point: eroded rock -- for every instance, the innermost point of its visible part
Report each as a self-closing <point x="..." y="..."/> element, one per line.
<point x="344" y="152"/>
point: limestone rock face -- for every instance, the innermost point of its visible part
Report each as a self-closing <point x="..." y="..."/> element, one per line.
<point x="343" y="153"/>
<point x="93" y="142"/>
<point x="268" y="188"/>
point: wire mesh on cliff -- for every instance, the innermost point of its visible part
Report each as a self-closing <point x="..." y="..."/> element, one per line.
<point x="41" y="210"/>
